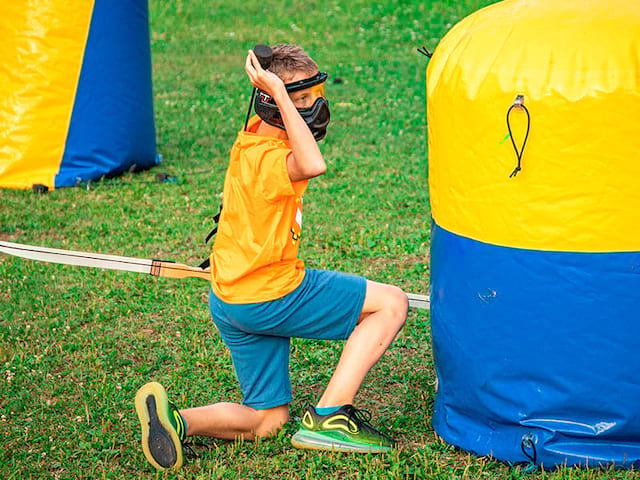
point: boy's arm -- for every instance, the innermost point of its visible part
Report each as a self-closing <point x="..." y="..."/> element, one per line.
<point x="306" y="160"/>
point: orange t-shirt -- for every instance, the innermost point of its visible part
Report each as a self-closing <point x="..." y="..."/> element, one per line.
<point x="255" y="253"/>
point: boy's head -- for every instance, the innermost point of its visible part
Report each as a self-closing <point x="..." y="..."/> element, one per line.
<point x="305" y="85"/>
<point x="290" y="61"/>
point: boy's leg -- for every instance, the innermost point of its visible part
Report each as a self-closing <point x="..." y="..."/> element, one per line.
<point x="231" y="420"/>
<point x="261" y="363"/>
<point x="164" y="428"/>
<point x="335" y="424"/>
<point x="383" y="314"/>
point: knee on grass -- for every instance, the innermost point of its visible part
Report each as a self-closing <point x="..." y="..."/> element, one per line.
<point x="271" y="420"/>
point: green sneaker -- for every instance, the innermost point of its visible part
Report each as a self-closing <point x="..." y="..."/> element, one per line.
<point x="346" y="430"/>
<point x="162" y="425"/>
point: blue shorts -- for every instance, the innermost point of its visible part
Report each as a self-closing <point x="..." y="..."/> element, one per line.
<point x="326" y="306"/>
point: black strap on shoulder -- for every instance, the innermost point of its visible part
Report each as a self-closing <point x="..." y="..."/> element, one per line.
<point x="216" y="219"/>
<point x="214" y="230"/>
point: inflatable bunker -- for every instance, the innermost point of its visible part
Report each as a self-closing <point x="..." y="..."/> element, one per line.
<point x="533" y="111"/>
<point x="76" y="100"/>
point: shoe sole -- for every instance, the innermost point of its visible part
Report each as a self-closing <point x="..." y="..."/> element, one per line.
<point x="314" y="441"/>
<point x="166" y="450"/>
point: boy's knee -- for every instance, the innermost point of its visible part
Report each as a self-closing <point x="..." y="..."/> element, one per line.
<point x="272" y="420"/>
<point x="391" y="301"/>
<point x="398" y="304"/>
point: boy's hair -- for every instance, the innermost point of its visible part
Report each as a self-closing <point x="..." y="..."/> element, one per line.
<point x="289" y="59"/>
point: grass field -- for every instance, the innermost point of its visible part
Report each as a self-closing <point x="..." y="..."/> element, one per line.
<point x="77" y="343"/>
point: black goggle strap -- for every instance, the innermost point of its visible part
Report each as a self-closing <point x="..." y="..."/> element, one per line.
<point x="317" y="79"/>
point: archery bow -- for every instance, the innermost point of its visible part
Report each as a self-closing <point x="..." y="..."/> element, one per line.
<point x="156" y="268"/>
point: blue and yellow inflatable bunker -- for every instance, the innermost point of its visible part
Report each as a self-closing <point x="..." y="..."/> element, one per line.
<point x="76" y="99"/>
<point x="535" y="274"/>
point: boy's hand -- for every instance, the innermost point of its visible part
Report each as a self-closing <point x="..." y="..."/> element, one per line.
<point x="263" y="79"/>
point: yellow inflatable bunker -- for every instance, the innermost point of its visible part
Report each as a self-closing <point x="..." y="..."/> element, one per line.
<point x="76" y="100"/>
<point x="533" y="111"/>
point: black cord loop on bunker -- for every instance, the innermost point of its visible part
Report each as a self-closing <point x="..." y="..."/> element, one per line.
<point x="527" y="444"/>
<point x="518" y="104"/>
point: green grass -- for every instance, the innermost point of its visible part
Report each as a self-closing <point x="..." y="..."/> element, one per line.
<point x="75" y="344"/>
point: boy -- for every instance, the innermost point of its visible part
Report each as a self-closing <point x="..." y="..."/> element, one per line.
<point x="262" y="294"/>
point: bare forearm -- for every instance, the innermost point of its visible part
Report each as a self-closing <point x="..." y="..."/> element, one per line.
<point x="307" y="157"/>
